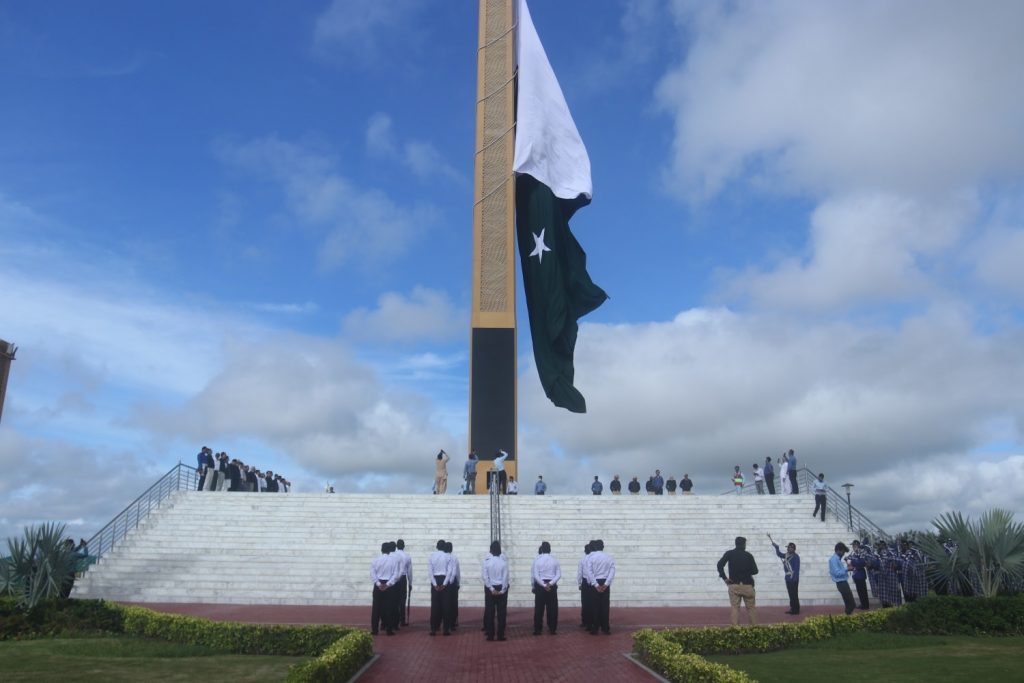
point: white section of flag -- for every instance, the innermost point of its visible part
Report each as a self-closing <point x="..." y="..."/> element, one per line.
<point x="548" y="146"/>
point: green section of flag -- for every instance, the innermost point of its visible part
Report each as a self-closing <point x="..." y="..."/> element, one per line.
<point x="558" y="288"/>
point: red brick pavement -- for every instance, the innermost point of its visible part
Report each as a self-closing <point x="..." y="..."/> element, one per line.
<point x="572" y="655"/>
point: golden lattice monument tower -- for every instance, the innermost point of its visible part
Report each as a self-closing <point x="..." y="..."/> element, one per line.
<point x="492" y="374"/>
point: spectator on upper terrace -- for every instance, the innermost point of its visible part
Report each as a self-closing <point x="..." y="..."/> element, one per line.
<point x="634" y="487"/>
<point x="512" y="487"/>
<point x="769" y="475"/>
<point x="670" y="485"/>
<point x="540" y="488"/>
<point x="441" y="473"/>
<point x="469" y="473"/>
<point x="758" y="480"/>
<point x="615" y="486"/>
<point x="658" y="483"/>
<point x="597" y="487"/>
<point x="793" y="471"/>
<point x="685" y="485"/>
<point x="737" y="480"/>
<point x="649" y="486"/>
<point x="787" y="483"/>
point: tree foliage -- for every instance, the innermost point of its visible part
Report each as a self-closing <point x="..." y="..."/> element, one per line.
<point x="38" y="565"/>
<point x="983" y="557"/>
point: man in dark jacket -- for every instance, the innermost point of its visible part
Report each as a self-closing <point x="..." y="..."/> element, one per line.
<point x="740" y="581"/>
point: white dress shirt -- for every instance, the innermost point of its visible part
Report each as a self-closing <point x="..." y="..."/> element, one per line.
<point x="439" y="564"/>
<point x="599" y="565"/>
<point x="405" y="563"/>
<point x="495" y="572"/>
<point x="546" y="570"/>
<point x="384" y="568"/>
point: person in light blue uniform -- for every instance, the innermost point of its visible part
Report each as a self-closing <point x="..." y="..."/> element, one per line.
<point x="837" y="571"/>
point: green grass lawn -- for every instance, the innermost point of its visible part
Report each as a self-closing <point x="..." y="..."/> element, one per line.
<point x="122" y="658"/>
<point x="887" y="657"/>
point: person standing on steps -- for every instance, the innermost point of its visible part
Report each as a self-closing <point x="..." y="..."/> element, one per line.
<point x="820" y="489"/>
<point x="634" y="487"/>
<point x="793" y="472"/>
<point x="404" y="585"/>
<point x="791" y="565"/>
<point x="769" y="475"/>
<point x="540" y="488"/>
<point x="685" y="485"/>
<point x="441" y="473"/>
<point x="597" y="486"/>
<point x="615" y="486"/>
<point x="495" y="578"/>
<point x="740" y="580"/>
<point x="787" y="486"/>
<point x="384" y="572"/>
<point x="469" y="473"/>
<point x="546" y="573"/>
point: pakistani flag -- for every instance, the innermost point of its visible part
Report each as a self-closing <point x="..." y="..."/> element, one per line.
<point x="553" y="181"/>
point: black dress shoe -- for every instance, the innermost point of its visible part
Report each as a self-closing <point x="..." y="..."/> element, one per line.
<point x="433" y="633"/>
<point x="373" y="633"/>
<point x="490" y="638"/>
<point x="536" y="633"/>
<point x="391" y="633"/>
<point x="554" y="632"/>
<point x="501" y="637"/>
<point x="446" y="633"/>
<point x="789" y="612"/>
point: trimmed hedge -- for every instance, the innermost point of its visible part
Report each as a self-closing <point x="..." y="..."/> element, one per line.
<point x="675" y="653"/>
<point x="339" y="651"/>
<point x="59" y="618"/>
<point x="669" y="660"/>
<point x="953" y="615"/>
<point x="339" y="662"/>
<point x="747" y="639"/>
<point x="231" y="636"/>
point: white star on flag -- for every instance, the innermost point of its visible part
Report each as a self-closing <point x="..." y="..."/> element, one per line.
<point x="539" y="247"/>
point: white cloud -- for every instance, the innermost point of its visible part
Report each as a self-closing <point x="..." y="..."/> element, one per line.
<point x="425" y="315"/>
<point x="998" y="259"/>
<point x="356" y="31"/>
<point x="865" y="249"/>
<point x="422" y="158"/>
<point x="712" y="388"/>
<point x="912" y="96"/>
<point x="359" y="225"/>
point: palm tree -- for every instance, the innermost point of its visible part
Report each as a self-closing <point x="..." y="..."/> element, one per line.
<point x="983" y="557"/>
<point x="39" y="565"/>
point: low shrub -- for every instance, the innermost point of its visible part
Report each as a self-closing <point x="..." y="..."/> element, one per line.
<point x="955" y="615"/>
<point x="339" y="662"/>
<point x="669" y="660"/>
<point x="230" y="636"/>
<point x="63" y="618"/>
<point x="747" y="639"/>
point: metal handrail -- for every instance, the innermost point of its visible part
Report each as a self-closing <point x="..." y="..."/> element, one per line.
<point x="836" y="506"/>
<point x="495" y="494"/>
<point x="178" y="478"/>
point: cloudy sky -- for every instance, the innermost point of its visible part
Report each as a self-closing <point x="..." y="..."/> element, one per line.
<point x="248" y="225"/>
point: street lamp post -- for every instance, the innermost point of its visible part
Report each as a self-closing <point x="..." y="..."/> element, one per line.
<point x="7" y="351"/>
<point x="849" y="505"/>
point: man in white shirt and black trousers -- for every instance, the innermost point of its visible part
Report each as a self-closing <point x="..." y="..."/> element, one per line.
<point x="404" y="585"/>
<point x="586" y="591"/>
<point x="453" y="589"/>
<point x="546" y="575"/>
<point x="600" y="571"/>
<point x="439" y="566"/>
<point x="495" y="578"/>
<point x="384" y="571"/>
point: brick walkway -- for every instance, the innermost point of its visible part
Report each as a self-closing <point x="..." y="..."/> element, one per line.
<point x="573" y="655"/>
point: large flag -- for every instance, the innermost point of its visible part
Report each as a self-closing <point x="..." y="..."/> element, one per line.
<point x="553" y="181"/>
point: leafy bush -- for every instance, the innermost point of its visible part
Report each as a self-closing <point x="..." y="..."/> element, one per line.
<point x="64" y="618"/>
<point x="229" y="636"/>
<point x="745" y="639"/>
<point x="669" y="660"/>
<point x="39" y="565"/>
<point x="953" y="615"/>
<point x="339" y="662"/>
<point x="987" y="555"/>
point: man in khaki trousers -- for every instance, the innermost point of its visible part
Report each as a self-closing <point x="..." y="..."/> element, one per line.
<point x="740" y="580"/>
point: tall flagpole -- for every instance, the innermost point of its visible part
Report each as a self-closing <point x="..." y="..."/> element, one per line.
<point x="492" y="369"/>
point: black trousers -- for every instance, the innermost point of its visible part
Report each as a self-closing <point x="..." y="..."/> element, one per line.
<point x="453" y="604"/>
<point x="792" y="482"/>
<point x="439" y="606"/>
<point x="401" y="589"/>
<point x="545" y="601"/>
<point x="586" y="605"/>
<point x="793" y="588"/>
<point x="769" y="480"/>
<point x="382" y="612"/>
<point x="495" y="608"/>
<point x="862" y="592"/>
<point x="844" y="590"/>
<point x="819" y="502"/>
<point x="602" y="606"/>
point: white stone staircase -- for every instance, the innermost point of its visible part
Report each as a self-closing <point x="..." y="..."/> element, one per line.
<point x="314" y="548"/>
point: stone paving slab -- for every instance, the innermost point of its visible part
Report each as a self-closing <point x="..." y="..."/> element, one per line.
<point x="571" y="656"/>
